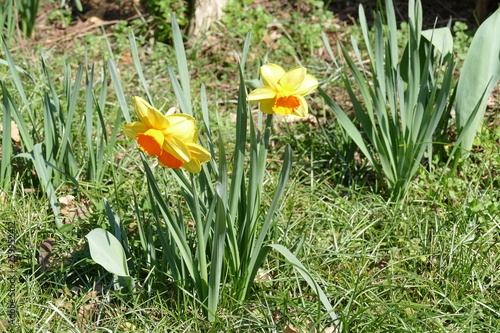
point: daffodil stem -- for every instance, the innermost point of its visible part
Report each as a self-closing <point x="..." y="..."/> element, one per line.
<point x="203" y="284"/>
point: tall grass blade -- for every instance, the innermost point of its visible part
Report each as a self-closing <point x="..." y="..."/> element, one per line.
<point x="28" y="141"/>
<point x="306" y="276"/>
<point x="182" y="67"/>
<point x="6" y="163"/>
<point x="89" y="124"/>
<point x="115" y="78"/>
<point x="43" y="175"/>
<point x="137" y="64"/>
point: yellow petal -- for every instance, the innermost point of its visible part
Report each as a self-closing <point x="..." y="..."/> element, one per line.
<point x="308" y="85"/>
<point x="150" y="116"/>
<point x="267" y="106"/>
<point x="198" y="155"/>
<point x="133" y="129"/>
<point x="193" y="166"/>
<point x="198" y="152"/>
<point x="293" y="79"/>
<point x="302" y="110"/>
<point x="260" y="94"/>
<point x="271" y="74"/>
<point x="177" y="148"/>
<point x="183" y="127"/>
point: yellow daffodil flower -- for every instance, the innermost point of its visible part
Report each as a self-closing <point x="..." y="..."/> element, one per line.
<point x="283" y="92"/>
<point x="172" y="138"/>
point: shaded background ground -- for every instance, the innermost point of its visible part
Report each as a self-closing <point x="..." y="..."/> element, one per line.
<point x="434" y="11"/>
<point x="106" y="13"/>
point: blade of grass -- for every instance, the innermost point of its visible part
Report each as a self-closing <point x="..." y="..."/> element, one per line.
<point x="137" y="64"/>
<point x="307" y="277"/>
<point x="115" y="78"/>
<point x="19" y="85"/>
<point x="5" y="164"/>
<point x="89" y="124"/>
<point x="182" y="67"/>
<point x="219" y="237"/>
<point x="41" y="170"/>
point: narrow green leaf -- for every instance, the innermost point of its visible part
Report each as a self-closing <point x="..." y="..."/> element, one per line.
<point x="137" y="64"/>
<point x="182" y="67"/>
<point x="18" y="83"/>
<point x="184" y="103"/>
<point x="6" y="164"/>
<point x="258" y="251"/>
<point x="441" y="38"/>
<point x="65" y="154"/>
<point x="41" y="170"/>
<point x="174" y="230"/>
<point x="239" y="150"/>
<point x="218" y="241"/>
<point x="348" y="125"/>
<point x="307" y="277"/>
<point x="115" y="78"/>
<point x="89" y="124"/>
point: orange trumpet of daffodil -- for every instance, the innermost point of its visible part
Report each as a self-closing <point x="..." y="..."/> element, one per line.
<point x="172" y="137"/>
<point x="283" y="92"/>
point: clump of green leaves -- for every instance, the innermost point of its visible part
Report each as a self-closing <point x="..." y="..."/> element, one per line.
<point x="161" y="11"/>
<point x="403" y="95"/>
<point x="14" y="13"/>
<point x="62" y="15"/>
<point x="462" y="39"/>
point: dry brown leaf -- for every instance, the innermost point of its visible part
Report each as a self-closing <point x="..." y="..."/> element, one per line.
<point x="14" y="132"/>
<point x="4" y="326"/>
<point x="45" y="253"/>
<point x="289" y="328"/>
<point x="66" y="201"/>
<point x="3" y="197"/>
<point x="96" y="20"/>
<point x="88" y="311"/>
<point x="262" y="276"/>
<point x="73" y="209"/>
<point x="97" y="13"/>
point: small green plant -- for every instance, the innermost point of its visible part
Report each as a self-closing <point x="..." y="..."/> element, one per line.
<point x="462" y="39"/>
<point x="232" y="230"/>
<point x="27" y="12"/>
<point x="51" y="146"/>
<point x="403" y="95"/>
<point x="161" y="11"/>
<point x="63" y="16"/>
<point x="14" y="13"/>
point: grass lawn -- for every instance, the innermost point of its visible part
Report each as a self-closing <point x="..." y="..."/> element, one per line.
<point x="429" y="262"/>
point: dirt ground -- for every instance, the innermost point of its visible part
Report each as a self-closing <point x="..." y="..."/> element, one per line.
<point x="439" y="11"/>
<point x="97" y="14"/>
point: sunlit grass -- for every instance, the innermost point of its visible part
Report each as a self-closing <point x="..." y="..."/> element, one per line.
<point x="430" y="264"/>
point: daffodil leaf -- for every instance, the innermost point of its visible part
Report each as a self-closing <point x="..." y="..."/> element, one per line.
<point x="107" y="251"/>
<point x="441" y="38"/>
